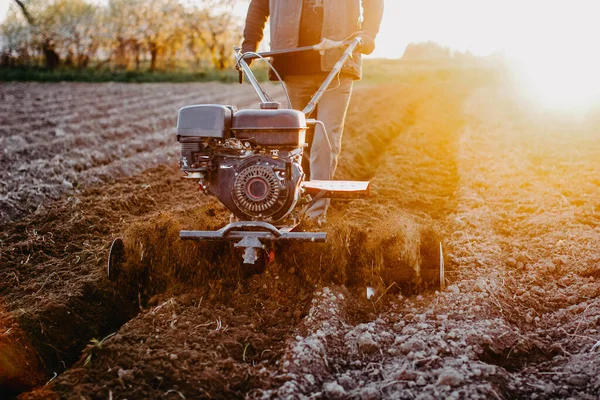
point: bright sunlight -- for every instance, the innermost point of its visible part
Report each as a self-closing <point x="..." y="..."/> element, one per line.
<point x="551" y="45"/>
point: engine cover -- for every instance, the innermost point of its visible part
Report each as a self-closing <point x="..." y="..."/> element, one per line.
<point x="258" y="187"/>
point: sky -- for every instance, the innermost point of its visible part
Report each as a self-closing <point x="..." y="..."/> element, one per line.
<point x="552" y="45"/>
<point x="3" y="7"/>
<point x="484" y="26"/>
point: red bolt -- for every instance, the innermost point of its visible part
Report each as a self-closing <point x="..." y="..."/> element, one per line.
<point x="271" y="255"/>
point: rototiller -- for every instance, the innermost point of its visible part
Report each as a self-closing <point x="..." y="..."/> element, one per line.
<point x="251" y="160"/>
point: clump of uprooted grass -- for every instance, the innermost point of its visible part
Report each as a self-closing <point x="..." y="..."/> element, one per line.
<point x="367" y="245"/>
<point x="156" y="259"/>
<point x="19" y="366"/>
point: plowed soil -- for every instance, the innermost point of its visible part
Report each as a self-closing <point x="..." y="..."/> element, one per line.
<point x="454" y="157"/>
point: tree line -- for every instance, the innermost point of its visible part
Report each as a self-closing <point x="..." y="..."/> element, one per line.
<point x="120" y="34"/>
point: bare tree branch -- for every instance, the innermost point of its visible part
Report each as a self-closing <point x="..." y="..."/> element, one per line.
<point x="26" y="14"/>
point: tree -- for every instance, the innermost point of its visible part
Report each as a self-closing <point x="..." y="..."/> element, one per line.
<point x="26" y="14"/>
<point x="213" y="25"/>
<point x="74" y="24"/>
<point x="159" y="26"/>
<point x="121" y="32"/>
<point x="124" y="33"/>
<point x="16" y="38"/>
<point x="31" y="12"/>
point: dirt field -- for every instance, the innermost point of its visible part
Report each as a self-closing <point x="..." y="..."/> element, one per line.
<point x="453" y="156"/>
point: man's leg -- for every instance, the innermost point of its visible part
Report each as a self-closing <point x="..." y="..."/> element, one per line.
<point x="301" y="88"/>
<point x="323" y="160"/>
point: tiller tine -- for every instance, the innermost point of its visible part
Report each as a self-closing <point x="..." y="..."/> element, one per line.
<point x="251" y="247"/>
<point x="116" y="259"/>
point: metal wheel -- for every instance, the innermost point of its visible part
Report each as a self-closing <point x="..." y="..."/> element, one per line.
<point x="434" y="275"/>
<point x="116" y="259"/>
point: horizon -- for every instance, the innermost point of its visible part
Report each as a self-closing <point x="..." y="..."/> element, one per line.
<point x="467" y="25"/>
<point x="388" y="46"/>
<point x="525" y="33"/>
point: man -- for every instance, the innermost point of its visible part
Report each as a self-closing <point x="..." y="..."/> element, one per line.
<point x="297" y="23"/>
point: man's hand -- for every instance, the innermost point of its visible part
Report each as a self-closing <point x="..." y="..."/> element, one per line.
<point x="327" y="44"/>
<point x="245" y="49"/>
<point x="368" y="44"/>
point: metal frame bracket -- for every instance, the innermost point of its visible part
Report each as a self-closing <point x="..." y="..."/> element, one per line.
<point x="253" y="236"/>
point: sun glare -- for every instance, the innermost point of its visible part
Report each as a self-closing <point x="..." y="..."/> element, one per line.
<point x="558" y="59"/>
<point x="552" y="46"/>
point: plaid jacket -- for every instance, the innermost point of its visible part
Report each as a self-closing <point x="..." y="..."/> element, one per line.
<point x="341" y="18"/>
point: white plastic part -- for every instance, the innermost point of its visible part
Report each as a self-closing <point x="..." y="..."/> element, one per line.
<point x="328" y="44"/>
<point x="442" y="273"/>
<point x="370" y="292"/>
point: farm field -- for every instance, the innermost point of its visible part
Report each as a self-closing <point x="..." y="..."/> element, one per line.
<point x="513" y="195"/>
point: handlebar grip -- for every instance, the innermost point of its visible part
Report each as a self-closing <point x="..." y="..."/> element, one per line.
<point x="354" y="43"/>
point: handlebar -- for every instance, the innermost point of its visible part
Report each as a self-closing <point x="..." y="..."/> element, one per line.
<point x="326" y="44"/>
<point x="312" y="104"/>
<point x="253" y="56"/>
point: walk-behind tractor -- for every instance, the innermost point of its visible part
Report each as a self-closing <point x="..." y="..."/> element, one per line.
<point x="251" y="160"/>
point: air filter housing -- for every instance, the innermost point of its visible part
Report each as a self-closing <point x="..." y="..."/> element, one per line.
<point x="270" y="127"/>
<point x="205" y="120"/>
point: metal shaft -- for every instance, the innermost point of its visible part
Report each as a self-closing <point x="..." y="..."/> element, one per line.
<point x="253" y="81"/>
<point x="252" y="56"/>
<point x="312" y="104"/>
